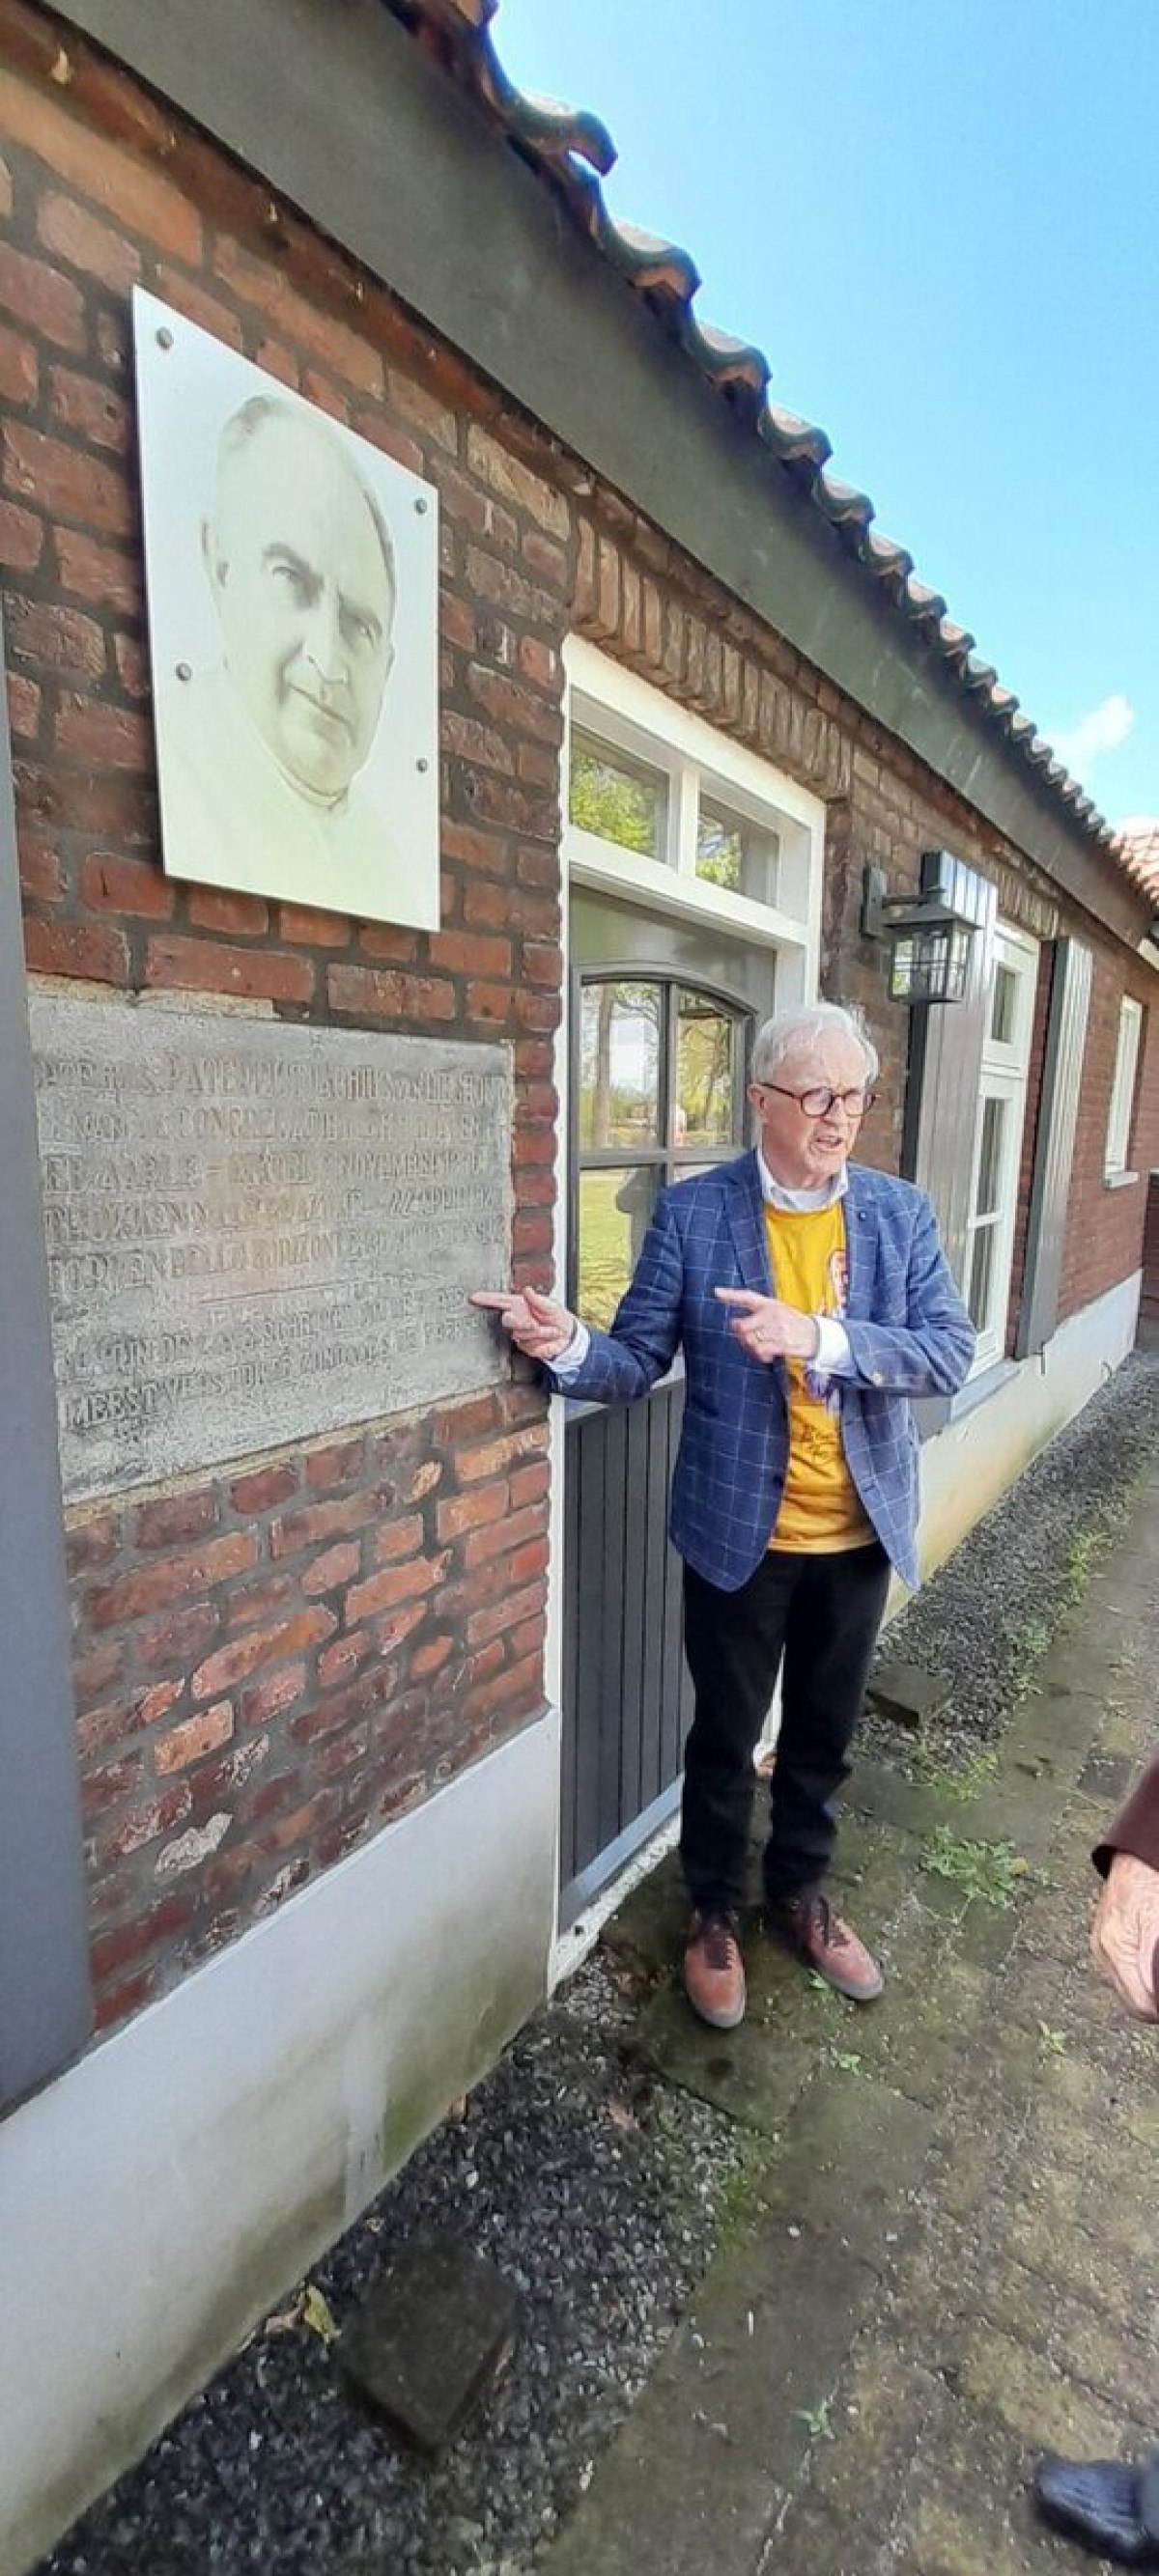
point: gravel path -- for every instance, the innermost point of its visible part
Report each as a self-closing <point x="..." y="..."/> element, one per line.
<point x="985" y="1619"/>
<point x="596" y="2189"/>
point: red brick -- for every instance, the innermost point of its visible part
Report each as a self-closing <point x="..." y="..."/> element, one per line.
<point x="19" y="368"/>
<point x="90" y="410"/>
<point x="515" y="1691"/>
<point x="330" y="1571"/>
<point x="313" y="929"/>
<point x="146" y="1824"/>
<point x="257" y="282"/>
<point x="98" y="573"/>
<point x="478" y="743"/>
<point x="174" y="1517"/>
<point x="55" y="638"/>
<point x="267" y="1699"/>
<point x="329" y="1469"/>
<point x="472" y="1510"/>
<point x="156" y="1703"/>
<point x="472" y="953"/>
<point x="398" y="1539"/>
<point x="263" y="1489"/>
<point x="429" y="1659"/>
<point x="198" y="966"/>
<point x="317" y="1524"/>
<point x="154" y="1587"/>
<point x="133" y="1940"/>
<point x="266" y="1598"/>
<point x="101" y="169"/>
<point x="494" y="1457"/>
<point x="24" y="703"/>
<point x="530" y="1485"/>
<point x="21" y="538"/>
<point x="396" y="1584"/>
<point x="103" y="1788"/>
<point x="97" y="1670"/>
<point x="135" y="886"/>
<point x="88" y="730"/>
<point x="504" y="473"/>
<point x="500" y="1538"/>
<point x="237" y="915"/>
<point x="508" y="1612"/>
<point x="110" y="2010"/>
<point x="83" y="241"/>
<point x="272" y="1645"/>
<point x="64" y="482"/>
<point x="179" y="1637"/>
<point x="338" y="1662"/>
<point x="514" y="706"/>
<point x="543" y="963"/>
<point x="71" y="948"/>
<point x="423" y="410"/>
<point x="34" y="293"/>
<point x="373" y="996"/>
<point x="208" y="311"/>
<point x="198" y="1736"/>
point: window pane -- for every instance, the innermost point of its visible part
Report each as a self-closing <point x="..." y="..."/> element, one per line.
<point x="990" y="1157"/>
<point x="614" y="1209"/>
<point x="617" y="797"/>
<point x="705" y="1081"/>
<point x="731" y="852"/>
<point x="619" y="1101"/>
<point x="981" y="1277"/>
<point x="1003" y="1008"/>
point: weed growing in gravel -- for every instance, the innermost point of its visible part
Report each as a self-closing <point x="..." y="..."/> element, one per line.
<point x="988" y="1870"/>
<point x="964" y="1784"/>
<point x="816" y="2420"/>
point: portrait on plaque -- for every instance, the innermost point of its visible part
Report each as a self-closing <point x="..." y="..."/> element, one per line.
<point x="292" y="585"/>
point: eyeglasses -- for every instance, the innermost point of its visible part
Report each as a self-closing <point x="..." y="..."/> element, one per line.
<point x="817" y="1104"/>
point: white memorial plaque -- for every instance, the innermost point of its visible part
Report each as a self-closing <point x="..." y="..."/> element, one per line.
<point x="258" y="1232"/>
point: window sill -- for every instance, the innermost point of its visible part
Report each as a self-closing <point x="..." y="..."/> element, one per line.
<point x="1121" y="1180"/>
<point x="934" y="1413"/>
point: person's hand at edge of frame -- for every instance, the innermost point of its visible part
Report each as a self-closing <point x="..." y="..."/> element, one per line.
<point x="537" y="1325"/>
<point x="1125" y="1934"/>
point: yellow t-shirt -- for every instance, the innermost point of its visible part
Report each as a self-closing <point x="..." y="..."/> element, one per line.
<point x="820" y="1508"/>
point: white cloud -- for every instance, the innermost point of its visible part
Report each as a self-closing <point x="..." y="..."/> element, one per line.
<point x="1104" y="729"/>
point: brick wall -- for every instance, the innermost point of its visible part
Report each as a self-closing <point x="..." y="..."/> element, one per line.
<point x="1104" y="1233"/>
<point x="273" y="1661"/>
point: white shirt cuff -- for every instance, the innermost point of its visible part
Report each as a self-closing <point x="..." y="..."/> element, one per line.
<point x="571" y="1359"/>
<point x="834" y="1357"/>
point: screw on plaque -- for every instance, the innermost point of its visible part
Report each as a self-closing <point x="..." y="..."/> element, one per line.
<point x="421" y="508"/>
<point x="164" y="339"/>
<point x="185" y="671"/>
<point x="422" y="764"/>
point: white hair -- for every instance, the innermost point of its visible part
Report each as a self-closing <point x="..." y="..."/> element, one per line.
<point x="809" y="1022"/>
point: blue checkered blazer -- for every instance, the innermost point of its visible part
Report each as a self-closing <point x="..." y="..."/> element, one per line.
<point x="909" y="1334"/>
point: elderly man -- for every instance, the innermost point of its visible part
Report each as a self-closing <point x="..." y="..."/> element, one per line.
<point x="259" y="757"/>
<point x="811" y="1300"/>
<point x="1105" y="2506"/>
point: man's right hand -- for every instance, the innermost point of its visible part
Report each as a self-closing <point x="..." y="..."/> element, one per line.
<point x="536" y="1324"/>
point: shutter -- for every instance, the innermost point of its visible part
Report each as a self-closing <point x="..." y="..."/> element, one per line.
<point x="945" y="1070"/>
<point x="44" y="1992"/>
<point x="1066" y="1030"/>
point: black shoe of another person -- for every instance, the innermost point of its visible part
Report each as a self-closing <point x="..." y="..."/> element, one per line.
<point x="1104" y="2505"/>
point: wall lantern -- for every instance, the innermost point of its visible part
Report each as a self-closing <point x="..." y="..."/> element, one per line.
<point x="929" y="938"/>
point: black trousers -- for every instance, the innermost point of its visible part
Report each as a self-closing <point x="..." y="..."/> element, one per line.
<point x="823" y="1614"/>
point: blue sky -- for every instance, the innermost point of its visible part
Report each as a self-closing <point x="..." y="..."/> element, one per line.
<point x="940" y="221"/>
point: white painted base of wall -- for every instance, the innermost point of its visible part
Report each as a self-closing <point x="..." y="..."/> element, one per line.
<point x="160" y="2196"/>
<point x="968" y="1467"/>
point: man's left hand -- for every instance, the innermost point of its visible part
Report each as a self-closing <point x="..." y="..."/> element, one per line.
<point x="767" y="1328"/>
<point x="1125" y="1934"/>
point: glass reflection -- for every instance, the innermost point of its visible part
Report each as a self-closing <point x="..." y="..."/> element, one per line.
<point x="619" y="1085"/>
<point x="614" y="1209"/>
<point x="705" y="1073"/>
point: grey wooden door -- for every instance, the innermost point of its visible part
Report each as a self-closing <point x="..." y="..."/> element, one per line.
<point x="660" y="1034"/>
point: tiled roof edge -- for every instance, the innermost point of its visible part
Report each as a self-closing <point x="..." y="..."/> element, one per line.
<point x="573" y="150"/>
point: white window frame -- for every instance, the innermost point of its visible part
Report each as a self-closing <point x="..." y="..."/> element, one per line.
<point x="618" y="708"/>
<point x="1116" y="1151"/>
<point x="1004" y="1076"/>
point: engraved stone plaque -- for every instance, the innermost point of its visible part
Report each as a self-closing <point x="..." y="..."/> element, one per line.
<point x="258" y="1232"/>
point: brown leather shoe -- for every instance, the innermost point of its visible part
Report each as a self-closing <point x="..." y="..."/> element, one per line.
<point x="808" y="1925"/>
<point x="714" y="1980"/>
